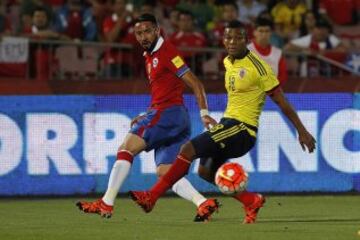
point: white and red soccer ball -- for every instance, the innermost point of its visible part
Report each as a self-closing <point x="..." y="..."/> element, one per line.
<point x="231" y="178"/>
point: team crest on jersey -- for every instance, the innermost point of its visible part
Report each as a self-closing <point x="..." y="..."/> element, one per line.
<point x="155" y="62"/>
<point x="242" y="72"/>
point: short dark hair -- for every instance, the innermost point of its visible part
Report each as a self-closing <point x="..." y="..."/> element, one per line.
<point x="323" y="23"/>
<point x="146" y="17"/>
<point x="264" y="22"/>
<point x="40" y="9"/>
<point x="230" y="3"/>
<point x="234" y="24"/>
<point x="186" y="13"/>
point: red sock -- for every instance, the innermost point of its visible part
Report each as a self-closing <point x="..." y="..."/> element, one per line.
<point x="178" y="169"/>
<point x="247" y="198"/>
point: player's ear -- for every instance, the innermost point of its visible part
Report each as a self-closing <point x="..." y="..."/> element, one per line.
<point x="157" y="30"/>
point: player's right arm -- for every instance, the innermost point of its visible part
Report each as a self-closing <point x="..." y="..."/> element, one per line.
<point x="198" y="88"/>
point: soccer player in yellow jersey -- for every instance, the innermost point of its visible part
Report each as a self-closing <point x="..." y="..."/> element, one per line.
<point x="248" y="80"/>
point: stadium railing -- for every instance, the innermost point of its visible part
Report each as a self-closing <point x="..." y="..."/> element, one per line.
<point x="62" y="60"/>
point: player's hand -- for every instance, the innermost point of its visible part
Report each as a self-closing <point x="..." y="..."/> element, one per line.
<point x="208" y="121"/>
<point x="136" y="119"/>
<point x="306" y="139"/>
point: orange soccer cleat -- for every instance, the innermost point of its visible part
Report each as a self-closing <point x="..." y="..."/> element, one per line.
<point x="98" y="207"/>
<point x="253" y="209"/>
<point x="206" y="209"/>
<point x="143" y="199"/>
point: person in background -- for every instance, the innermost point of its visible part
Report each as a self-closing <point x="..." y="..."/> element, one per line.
<point x="275" y="38"/>
<point x="249" y="10"/>
<point x="230" y="12"/>
<point x="27" y="9"/>
<point x="41" y="27"/>
<point x="171" y="24"/>
<point x="5" y="25"/>
<point x="287" y="17"/>
<point x="188" y="37"/>
<point x="262" y="47"/>
<point x="117" y="28"/>
<point x="75" y="21"/>
<point x="308" y="23"/>
<point x="320" y="40"/>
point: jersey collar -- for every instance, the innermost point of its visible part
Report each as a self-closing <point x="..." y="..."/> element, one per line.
<point x="158" y="44"/>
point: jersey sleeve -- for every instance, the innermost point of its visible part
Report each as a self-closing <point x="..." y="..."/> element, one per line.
<point x="175" y="63"/>
<point x="268" y="81"/>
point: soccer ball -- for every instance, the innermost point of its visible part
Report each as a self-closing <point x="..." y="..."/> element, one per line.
<point x="231" y="178"/>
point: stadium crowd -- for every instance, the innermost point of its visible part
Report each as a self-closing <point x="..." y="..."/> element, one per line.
<point x="298" y="25"/>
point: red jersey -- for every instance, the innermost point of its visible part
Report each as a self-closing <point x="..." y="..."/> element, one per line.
<point x="164" y="68"/>
<point x="188" y="39"/>
<point x="126" y="35"/>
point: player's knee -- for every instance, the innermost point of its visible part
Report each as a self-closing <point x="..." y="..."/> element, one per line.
<point x="133" y="144"/>
<point x="206" y="174"/>
<point x="187" y="150"/>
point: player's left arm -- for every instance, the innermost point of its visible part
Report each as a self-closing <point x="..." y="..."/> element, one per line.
<point x="199" y="91"/>
<point x="305" y="138"/>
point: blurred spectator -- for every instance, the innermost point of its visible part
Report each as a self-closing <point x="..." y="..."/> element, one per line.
<point x="272" y="55"/>
<point x="100" y="9"/>
<point x="287" y="17"/>
<point x="275" y="38"/>
<point x="229" y="13"/>
<point x="308" y="22"/>
<point x="27" y="9"/>
<point x="319" y="40"/>
<point x="188" y="37"/>
<point x="152" y="7"/>
<point x="340" y="11"/>
<point x="170" y="24"/>
<point x="75" y="21"/>
<point x="41" y="54"/>
<point x="118" y="28"/>
<point x="5" y="25"/>
<point x="249" y="10"/>
<point x="202" y="11"/>
<point x="41" y="27"/>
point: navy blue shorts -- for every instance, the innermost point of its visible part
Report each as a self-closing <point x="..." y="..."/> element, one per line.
<point x="164" y="131"/>
<point x="228" y="139"/>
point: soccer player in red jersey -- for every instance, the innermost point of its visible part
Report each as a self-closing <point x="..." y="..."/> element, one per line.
<point x="248" y="80"/>
<point x="166" y="124"/>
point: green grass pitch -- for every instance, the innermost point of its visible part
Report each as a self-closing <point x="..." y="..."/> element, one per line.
<point x="283" y="217"/>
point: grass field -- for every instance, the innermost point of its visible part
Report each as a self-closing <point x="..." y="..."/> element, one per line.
<point x="287" y="217"/>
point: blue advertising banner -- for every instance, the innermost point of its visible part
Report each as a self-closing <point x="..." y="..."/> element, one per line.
<point x="61" y="145"/>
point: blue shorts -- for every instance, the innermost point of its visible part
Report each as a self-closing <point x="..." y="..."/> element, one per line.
<point x="164" y="131"/>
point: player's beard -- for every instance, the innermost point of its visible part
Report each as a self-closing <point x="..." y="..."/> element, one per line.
<point x="152" y="45"/>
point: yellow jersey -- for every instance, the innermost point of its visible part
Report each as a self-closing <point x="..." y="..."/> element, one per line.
<point x="247" y="80"/>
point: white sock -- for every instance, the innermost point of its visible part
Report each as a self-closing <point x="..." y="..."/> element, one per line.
<point x="119" y="172"/>
<point x="184" y="189"/>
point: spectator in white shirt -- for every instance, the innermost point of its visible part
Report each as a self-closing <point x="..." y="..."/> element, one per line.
<point x="318" y="41"/>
